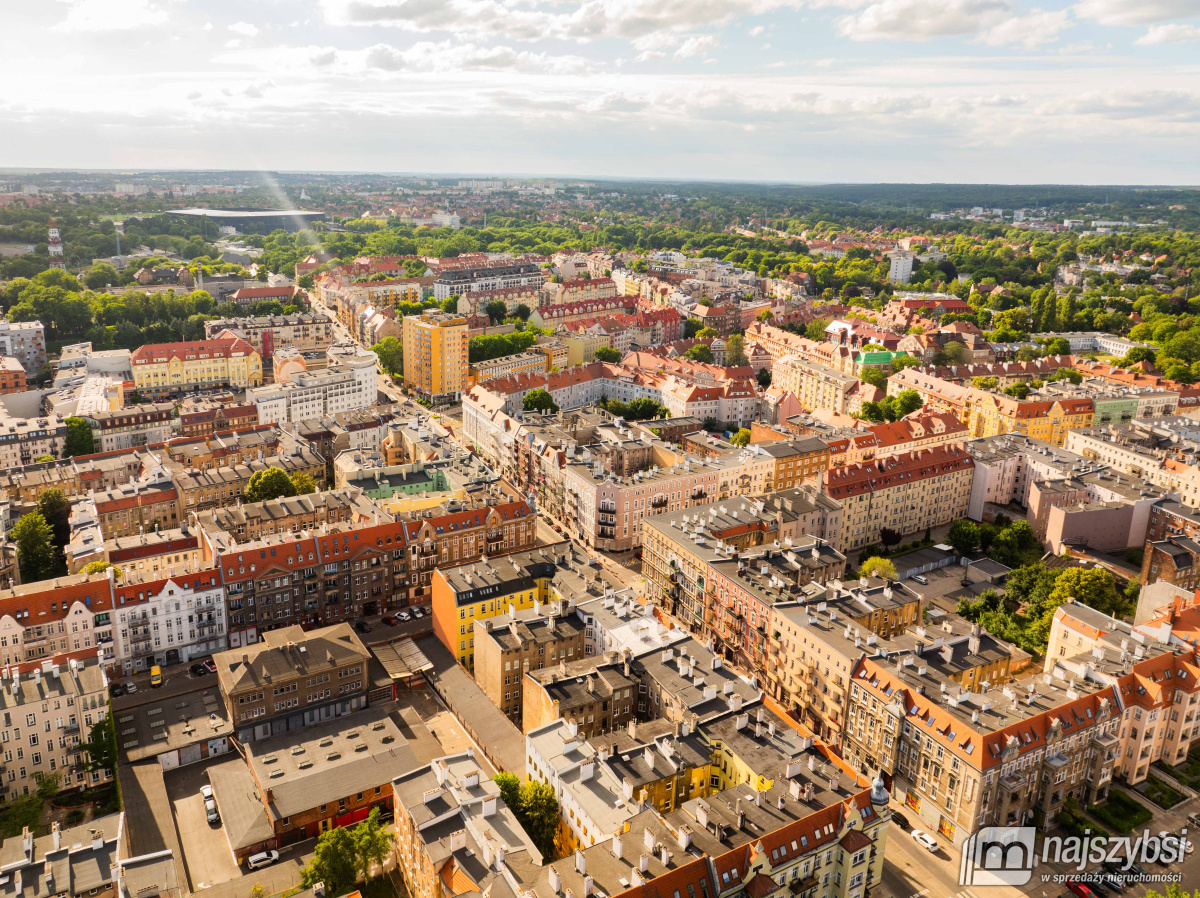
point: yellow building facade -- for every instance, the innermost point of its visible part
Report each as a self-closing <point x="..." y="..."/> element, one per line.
<point x="224" y="361"/>
<point x="435" y="354"/>
<point x="1041" y="420"/>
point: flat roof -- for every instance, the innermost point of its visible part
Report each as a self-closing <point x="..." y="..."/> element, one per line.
<point x="147" y="730"/>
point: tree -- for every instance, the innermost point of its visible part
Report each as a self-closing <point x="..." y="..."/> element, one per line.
<point x="706" y="333"/>
<point x="700" y="353"/>
<point x="956" y="353"/>
<point x="100" y="276"/>
<point x="874" y="377"/>
<point x="371" y="843"/>
<point x="906" y="402"/>
<point x="539" y="401"/>
<point x="391" y="354"/>
<point x="815" y="330"/>
<point x="741" y="438"/>
<point x="1017" y="390"/>
<point x="269" y="484"/>
<point x="97" y="567"/>
<point x="335" y="863"/>
<point x="496" y="310"/>
<point x="964" y="537"/>
<point x="765" y="315"/>
<point x="1138" y="354"/>
<point x="303" y="484"/>
<point x="691" y="327"/>
<point x="510" y="790"/>
<point x="539" y="815"/>
<point x="890" y="537"/>
<point x="985" y="383"/>
<point x="877" y="567"/>
<point x="735" y="351"/>
<point x="79" y="439"/>
<point x="523" y="312"/>
<point x="1058" y="346"/>
<point x="101" y="747"/>
<point x="764" y="377"/>
<point x="35" y="546"/>
<point x="56" y="509"/>
<point x="607" y="354"/>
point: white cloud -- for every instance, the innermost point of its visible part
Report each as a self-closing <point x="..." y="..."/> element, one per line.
<point x="757" y="30"/>
<point x="922" y="19"/>
<point x="244" y="28"/>
<point x="575" y="20"/>
<point x="1029" y="29"/>
<point x="1169" y="34"/>
<point x="1136" y="12"/>
<point x="696" y="45"/>
<point x="111" y="15"/>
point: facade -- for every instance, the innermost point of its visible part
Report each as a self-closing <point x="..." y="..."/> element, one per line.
<point x="25" y="440"/>
<point x="26" y="340"/>
<point x="906" y="493"/>
<point x="132" y="427"/>
<point x="12" y="375"/>
<point x="226" y="361"/>
<point x="1175" y="561"/>
<point x="267" y="333"/>
<point x="168" y="621"/>
<point x="331" y="391"/>
<point x="503" y="274"/>
<point x="435" y="354"/>
<point x="292" y="680"/>
<point x="531" y="362"/>
<point x="48" y="708"/>
<point x="814" y="385"/>
<point x="59" y="617"/>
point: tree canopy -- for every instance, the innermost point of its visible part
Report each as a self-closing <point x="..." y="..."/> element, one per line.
<point x="269" y="484"/>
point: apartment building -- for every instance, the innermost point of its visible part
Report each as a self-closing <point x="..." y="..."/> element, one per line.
<point x="200" y="417"/>
<point x="285" y="294"/>
<point x="454" y="834"/>
<point x="475" y="590"/>
<point x="26" y="341"/>
<point x="532" y="362"/>
<point x="201" y="490"/>
<point x="796" y="461"/>
<point x="48" y="708"/>
<point x="334" y="390"/>
<point x="435" y="354"/>
<point x="293" y="679"/>
<point x="1049" y="420"/>
<point x="965" y="760"/>
<point x="600" y="697"/>
<point x="1175" y="560"/>
<point x="502" y="274"/>
<point x="288" y="514"/>
<point x="1138" y="451"/>
<point x="226" y="361"/>
<point x="577" y="290"/>
<point x="133" y="427"/>
<point x="84" y="860"/>
<point x="919" y="430"/>
<point x="266" y="333"/>
<point x="814" y="385"/>
<point x="506" y="645"/>
<point x="168" y="620"/>
<point x="222" y="450"/>
<point x="12" y="375"/>
<point x="57" y="617"/>
<point x="906" y="493"/>
<point x="474" y="304"/>
<point x="145" y="505"/>
<point x="25" y="440"/>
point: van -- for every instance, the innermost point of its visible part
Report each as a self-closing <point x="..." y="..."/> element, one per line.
<point x="156" y="675"/>
<point x="262" y="859"/>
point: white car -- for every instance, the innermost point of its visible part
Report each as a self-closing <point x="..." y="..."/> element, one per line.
<point x="131" y="687"/>
<point x="262" y="859"/>
<point x="925" y="840"/>
<point x="404" y="616"/>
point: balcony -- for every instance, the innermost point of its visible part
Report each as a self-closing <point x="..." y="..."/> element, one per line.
<point x="606" y="517"/>
<point x="658" y="502"/>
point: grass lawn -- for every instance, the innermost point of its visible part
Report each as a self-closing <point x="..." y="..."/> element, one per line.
<point x="1162" y="794"/>
<point x="1121" y="812"/>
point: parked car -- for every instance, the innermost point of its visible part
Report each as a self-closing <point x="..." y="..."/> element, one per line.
<point x="262" y="859"/>
<point x="116" y="690"/>
<point x="920" y="578"/>
<point x="390" y="620"/>
<point x="418" y="611"/>
<point x="156" y="677"/>
<point x="901" y="821"/>
<point x="925" y="840"/>
<point x="131" y="687"/>
<point x="210" y="805"/>
<point x="362" y="627"/>
<point x="404" y="616"/>
<point x="199" y="670"/>
<point x="209" y="665"/>
<point x="1193" y="819"/>
<point x="1079" y="889"/>
<point x="1097" y="885"/>
<point x="1115" y="883"/>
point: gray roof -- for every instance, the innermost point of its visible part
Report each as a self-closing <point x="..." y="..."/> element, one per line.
<point x="243" y="815"/>
<point x="287" y="653"/>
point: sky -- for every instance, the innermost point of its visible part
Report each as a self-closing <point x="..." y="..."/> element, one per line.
<point x="1000" y="91"/>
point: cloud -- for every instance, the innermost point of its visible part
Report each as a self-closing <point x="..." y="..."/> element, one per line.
<point x="1029" y="29"/>
<point x="1136" y="12"/>
<point x="244" y="28"/>
<point x="111" y="15"/>
<point x="757" y="30"/>
<point x="1169" y="34"/>
<point x="573" y="20"/>
<point x="696" y="45"/>
<point x="922" y="19"/>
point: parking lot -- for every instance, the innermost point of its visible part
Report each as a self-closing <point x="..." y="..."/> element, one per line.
<point x="205" y="848"/>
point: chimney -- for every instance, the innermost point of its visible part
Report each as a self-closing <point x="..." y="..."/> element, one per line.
<point x="589" y="886"/>
<point x="56" y="835"/>
<point x="664" y="856"/>
<point x="580" y="862"/>
<point x="685" y="837"/>
<point x="644" y="863"/>
<point x="616" y="845"/>
<point x="648" y="839"/>
<point x="97" y="839"/>
<point x="555" y="879"/>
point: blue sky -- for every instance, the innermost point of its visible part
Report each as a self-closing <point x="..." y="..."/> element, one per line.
<point x="847" y="90"/>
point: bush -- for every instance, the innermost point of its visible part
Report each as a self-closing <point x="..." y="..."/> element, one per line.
<point x="75" y="817"/>
<point x="1121" y="812"/>
<point x="1160" y="793"/>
